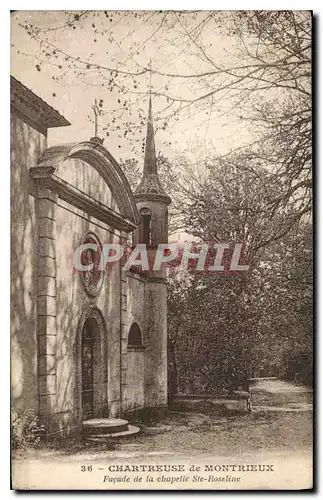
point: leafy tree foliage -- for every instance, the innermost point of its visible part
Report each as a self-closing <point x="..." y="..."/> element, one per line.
<point x="225" y="329"/>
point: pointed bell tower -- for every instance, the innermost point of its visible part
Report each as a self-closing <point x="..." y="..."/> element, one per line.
<point x="152" y="203"/>
<point x="151" y="199"/>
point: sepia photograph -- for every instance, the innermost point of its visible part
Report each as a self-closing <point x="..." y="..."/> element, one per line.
<point x="161" y="250"/>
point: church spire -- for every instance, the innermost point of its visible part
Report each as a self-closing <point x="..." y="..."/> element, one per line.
<point x="150" y="186"/>
<point x="150" y="151"/>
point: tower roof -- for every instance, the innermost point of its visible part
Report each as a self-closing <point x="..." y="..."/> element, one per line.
<point x="150" y="186"/>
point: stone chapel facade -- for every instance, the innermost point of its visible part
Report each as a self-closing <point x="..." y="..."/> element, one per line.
<point x="82" y="346"/>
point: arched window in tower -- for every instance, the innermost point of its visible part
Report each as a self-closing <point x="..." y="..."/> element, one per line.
<point x="145" y="226"/>
<point x="134" y="337"/>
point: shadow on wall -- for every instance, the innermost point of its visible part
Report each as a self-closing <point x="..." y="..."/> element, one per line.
<point x="72" y="303"/>
<point x="71" y="300"/>
<point x="26" y="147"/>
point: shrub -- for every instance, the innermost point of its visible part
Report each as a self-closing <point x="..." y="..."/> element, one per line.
<point x="26" y="430"/>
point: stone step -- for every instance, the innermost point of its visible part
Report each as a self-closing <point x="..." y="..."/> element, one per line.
<point x="104" y="426"/>
<point x="102" y="438"/>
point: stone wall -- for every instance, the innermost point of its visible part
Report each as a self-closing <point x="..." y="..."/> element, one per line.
<point x="84" y="177"/>
<point x="27" y="144"/>
<point x="156" y="342"/>
<point x="50" y="303"/>
<point x="135" y="379"/>
<point x="64" y="304"/>
<point x="134" y="360"/>
<point x="147" y="368"/>
<point x="73" y="305"/>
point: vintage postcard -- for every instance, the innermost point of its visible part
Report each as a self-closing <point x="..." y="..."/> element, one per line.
<point x="161" y="250"/>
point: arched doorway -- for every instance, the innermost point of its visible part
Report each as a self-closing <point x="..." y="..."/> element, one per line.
<point x="92" y="378"/>
<point x="87" y="352"/>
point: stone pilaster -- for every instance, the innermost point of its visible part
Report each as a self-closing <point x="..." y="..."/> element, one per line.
<point x="156" y="341"/>
<point x="46" y="303"/>
<point x="123" y="328"/>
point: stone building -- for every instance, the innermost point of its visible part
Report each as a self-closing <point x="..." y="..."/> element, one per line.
<point x="84" y="345"/>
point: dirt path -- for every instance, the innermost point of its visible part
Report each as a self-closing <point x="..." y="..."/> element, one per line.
<point x="277" y="432"/>
<point x="276" y="386"/>
<point x="277" y="395"/>
<point x="279" y="423"/>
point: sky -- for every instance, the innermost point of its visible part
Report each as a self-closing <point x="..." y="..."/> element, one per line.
<point x="128" y="42"/>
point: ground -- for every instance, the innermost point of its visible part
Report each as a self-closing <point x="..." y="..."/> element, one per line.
<point x="279" y="428"/>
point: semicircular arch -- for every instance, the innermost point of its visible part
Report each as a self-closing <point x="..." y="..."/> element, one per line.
<point x="103" y="162"/>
